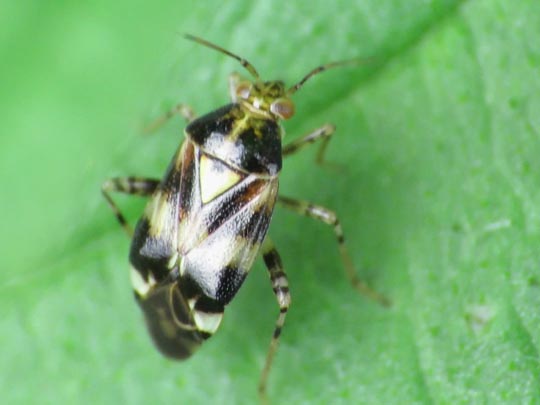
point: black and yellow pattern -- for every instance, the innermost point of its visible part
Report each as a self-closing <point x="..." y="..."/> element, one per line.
<point x="207" y="218"/>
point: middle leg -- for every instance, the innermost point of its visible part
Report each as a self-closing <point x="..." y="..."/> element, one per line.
<point x="128" y="185"/>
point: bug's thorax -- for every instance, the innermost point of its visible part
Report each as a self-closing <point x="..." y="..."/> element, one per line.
<point x="239" y="136"/>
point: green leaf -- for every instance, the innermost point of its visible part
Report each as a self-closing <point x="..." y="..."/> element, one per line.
<point x="438" y="137"/>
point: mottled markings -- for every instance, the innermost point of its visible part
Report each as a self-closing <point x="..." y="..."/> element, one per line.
<point x="188" y="198"/>
<point x="139" y="284"/>
<point x="150" y="254"/>
<point x="215" y="177"/>
<point x="207" y="313"/>
<point x="191" y="303"/>
<point x="230" y="280"/>
<point x="249" y="143"/>
<point x="259" y="220"/>
<point x="232" y="204"/>
<point x="208" y="305"/>
<point x="183" y="157"/>
<point x="190" y="289"/>
<point x="207" y="322"/>
<point x="173" y="261"/>
<point x="161" y="213"/>
<point x="224" y="252"/>
<point x="256" y="187"/>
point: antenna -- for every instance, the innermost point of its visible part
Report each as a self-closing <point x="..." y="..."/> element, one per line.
<point x="248" y="66"/>
<point x="293" y="89"/>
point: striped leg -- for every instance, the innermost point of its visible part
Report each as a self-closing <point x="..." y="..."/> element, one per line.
<point x="323" y="133"/>
<point x="280" y="285"/>
<point x="329" y="217"/>
<point x="180" y="109"/>
<point x="127" y="185"/>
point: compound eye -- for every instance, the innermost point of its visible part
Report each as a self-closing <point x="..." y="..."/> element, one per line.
<point x="283" y="108"/>
<point x="243" y="89"/>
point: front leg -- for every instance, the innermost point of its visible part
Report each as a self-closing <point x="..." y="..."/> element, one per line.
<point x="329" y="217"/>
<point x="183" y="110"/>
<point x="323" y="133"/>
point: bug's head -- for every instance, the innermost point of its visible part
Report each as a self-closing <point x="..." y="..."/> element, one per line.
<point x="266" y="98"/>
<point x="269" y="98"/>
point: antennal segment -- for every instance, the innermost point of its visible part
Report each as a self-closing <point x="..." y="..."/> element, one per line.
<point x="248" y="66"/>
<point x="322" y="68"/>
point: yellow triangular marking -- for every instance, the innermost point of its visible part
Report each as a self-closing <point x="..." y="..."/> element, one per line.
<point x="215" y="178"/>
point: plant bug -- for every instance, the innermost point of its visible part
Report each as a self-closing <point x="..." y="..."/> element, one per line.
<point x="207" y="218"/>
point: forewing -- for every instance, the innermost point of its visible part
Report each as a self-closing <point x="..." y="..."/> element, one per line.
<point x="154" y="260"/>
<point x="220" y="236"/>
<point x="154" y="247"/>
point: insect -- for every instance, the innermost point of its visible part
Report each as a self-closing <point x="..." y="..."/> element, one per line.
<point x="207" y="218"/>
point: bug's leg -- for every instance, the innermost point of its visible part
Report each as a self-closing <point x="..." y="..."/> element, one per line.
<point x="280" y="285"/>
<point x="323" y="133"/>
<point x="127" y="185"/>
<point x="329" y="217"/>
<point x="183" y="110"/>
